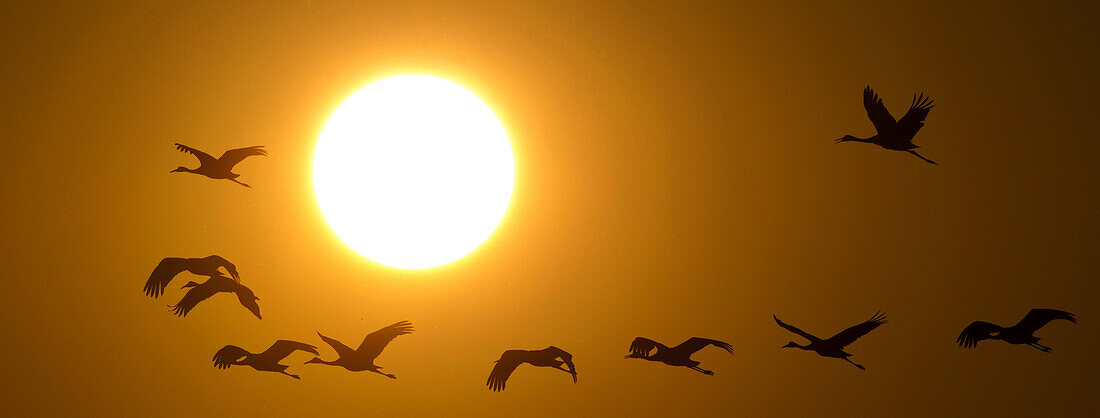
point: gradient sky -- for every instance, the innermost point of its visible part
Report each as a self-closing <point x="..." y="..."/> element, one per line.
<point x="676" y="177"/>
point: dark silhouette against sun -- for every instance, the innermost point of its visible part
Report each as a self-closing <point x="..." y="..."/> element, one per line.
<point x="548" y="357"/>
<point x="647" y="349"/>
<point x="834" y="346"/>
<point x="222" y="167"/>
<point x="891" y="134"/>
<point x="362" y="358"/>
<point x="169" y="267"/>
<point x="267" y="361"/>
<point x="199" y="292"/>
<point x="1016" y="334"/>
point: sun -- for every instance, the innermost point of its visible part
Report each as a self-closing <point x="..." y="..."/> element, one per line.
<point x="413" y="171"/>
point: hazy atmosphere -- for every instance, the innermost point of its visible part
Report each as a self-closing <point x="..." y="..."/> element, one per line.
<point x="675" y="176"/>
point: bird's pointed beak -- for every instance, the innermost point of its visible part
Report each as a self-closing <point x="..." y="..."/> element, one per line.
<point x="840" y="140"/>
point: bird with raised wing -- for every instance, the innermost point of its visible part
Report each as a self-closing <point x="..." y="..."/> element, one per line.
<point x="834" y="346"/>
<point x="647" y="349"/>
<point x="217" y="284"/>
<point x="362" y="358"/>
<point x="169" y="267"/>
<point x="548" y="357"/>
<point x="1021" y="333"/>
<point x="267" y="361"/>
<point x="891" y="134"/>
<point x="221" y="167"/>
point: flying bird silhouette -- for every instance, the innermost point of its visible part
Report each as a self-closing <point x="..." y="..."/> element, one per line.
<point x="212" y="286"/>
<point x="1016" y="334"/>
<point x="548" y="357"/>
<point x="894" y="135"/>
<point x="222" y="167"/>
<point x="834" y="346"/>
<point x="647" y="349"/>
<point x="169" y="267"/>
<point x="267" y="361"/>
<point x="362" y="358"/>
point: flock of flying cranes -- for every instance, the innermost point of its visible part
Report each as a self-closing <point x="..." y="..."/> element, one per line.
<point x="891" y="134"/>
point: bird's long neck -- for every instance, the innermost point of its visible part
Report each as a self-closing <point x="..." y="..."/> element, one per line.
<point x="318" y="360"/>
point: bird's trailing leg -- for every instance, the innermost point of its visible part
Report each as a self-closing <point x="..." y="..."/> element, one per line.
<point x="245" y="185"/>
<point x="701" y="370"/>
<point x="291" y="375"/>
<point x="1040" y="347"/>
<point x="383" y="374"/>
<point x="853" y="363"/>
<point x="920" y="156"/>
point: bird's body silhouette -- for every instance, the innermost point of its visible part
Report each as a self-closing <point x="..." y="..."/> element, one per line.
<point x="169" y="267"/>
<point x="891" y="134"/>
<point x="221" y="167"/>
<point x="362" y="358"/>
<point x="834" y="346"/>
<point x="1016" y="334"/>
<point x="267" y="361"/>
<point x="647" y="349"/>
<point x="199" y="292"/>
<point x="548" y="357"/>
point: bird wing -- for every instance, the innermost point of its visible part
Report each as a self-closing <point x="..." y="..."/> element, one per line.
<point x="795" y="330"/>
<point x="641" y="346"/>
<point x="853" y="333"/>
<point x="204" y="158"/>
<point x="194" y="296"/>
<point x="694" y="344"/>
<point x="976" y="331"/>
<point x="166" y="270"/>
<point x="283" y="348"/>
<point x="504" y="367"/>
<point x="228" y="355"/>
<point x="914" y="118"/>
<point x="374" y="342"/>
<point x="876" y="111"/>
<point x="341" y="349"/>
<point x="232" y="157"/>
<point x="232" y="269"/>
<point x="1038" y="318"/>
<point x="565" y="357"/>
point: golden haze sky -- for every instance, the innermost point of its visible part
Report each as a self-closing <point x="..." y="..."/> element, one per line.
<point x="676" y="177"/>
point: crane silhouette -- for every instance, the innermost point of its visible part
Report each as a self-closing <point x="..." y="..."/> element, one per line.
<point x="267" y="361"/>
<point x="212" y="286"/>
<point x="169" y="267"/>
<point x="894" y="135"/>
<point x="1016" y="334"/>
<point x="362" y="358"/>
<point x="548" y="357"/>
<point x="647" y="349"/>
<point x="834" y="346"/>
<point x="222" y="167"/>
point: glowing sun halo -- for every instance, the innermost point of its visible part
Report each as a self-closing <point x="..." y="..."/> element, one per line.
<point x="413" y="172"/>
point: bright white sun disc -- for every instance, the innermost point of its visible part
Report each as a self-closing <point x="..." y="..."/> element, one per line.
<point x="413" y="172"/>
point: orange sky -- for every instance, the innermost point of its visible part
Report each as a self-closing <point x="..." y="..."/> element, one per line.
<point x="676" y="176"/>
